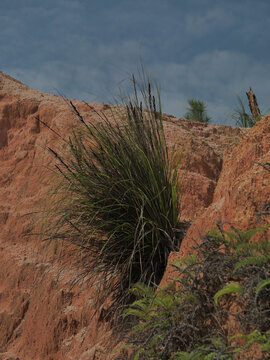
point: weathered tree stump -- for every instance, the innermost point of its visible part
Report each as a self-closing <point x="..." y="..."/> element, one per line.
<point x="253" y="105"/>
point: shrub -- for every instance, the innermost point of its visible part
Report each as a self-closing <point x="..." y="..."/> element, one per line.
<point x="186" y="319"/>
<point x="120" y="202"/>
<point x="197" y="111"/>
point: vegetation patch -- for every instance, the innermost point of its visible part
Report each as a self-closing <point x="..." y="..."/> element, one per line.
<point x="117" y="202"/>
<point x="226" y="283"/>
<point x="197" y="111"/>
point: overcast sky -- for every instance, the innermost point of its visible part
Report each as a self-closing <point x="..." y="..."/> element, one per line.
<point x="212" y="50"/>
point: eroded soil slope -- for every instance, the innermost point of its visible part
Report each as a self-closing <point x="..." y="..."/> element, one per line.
<point x="41" y="316"/>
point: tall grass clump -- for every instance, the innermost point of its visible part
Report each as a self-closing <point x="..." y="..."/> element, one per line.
<point x="241" y="117"/>
<point x="118" y="201"/>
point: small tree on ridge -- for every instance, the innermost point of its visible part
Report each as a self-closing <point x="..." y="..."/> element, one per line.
<point x="197" y="111"/>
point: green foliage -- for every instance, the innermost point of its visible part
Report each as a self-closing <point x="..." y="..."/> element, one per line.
<point x="252" y="260"/>
<point x="157" y="313"/>
<point x="185" y="320"/>
<point x="214" y="349"/>
<point x="241" y="117"/>
<point x="262" y="284"/>
<point x="228" y="289"/>
<point x="251" y="254"/>
<point x="255" y="337"/>
<point x="197" y="111"/>
<point x="118" y="199"/>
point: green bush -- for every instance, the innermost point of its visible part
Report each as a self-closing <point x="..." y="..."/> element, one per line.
<point x="197" y="111"/>
<point x="118" y="201"/>
<point x="186" y="320"/>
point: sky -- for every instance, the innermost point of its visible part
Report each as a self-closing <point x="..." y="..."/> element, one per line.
<point x="211" y="50"/>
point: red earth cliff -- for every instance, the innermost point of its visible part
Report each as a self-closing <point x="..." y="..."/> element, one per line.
<point x="41" y="315"/>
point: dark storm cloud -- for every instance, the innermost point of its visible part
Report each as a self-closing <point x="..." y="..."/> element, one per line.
<point x="212" y="50"/>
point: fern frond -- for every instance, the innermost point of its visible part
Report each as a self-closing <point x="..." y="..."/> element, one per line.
<point x="136" y="312"/>
<point x="251" y="260"/>
<point x="232" y="287"/>
<point x="262" y="284"/>
<point x="142" y="290"/>
<point x="247" y="235"/>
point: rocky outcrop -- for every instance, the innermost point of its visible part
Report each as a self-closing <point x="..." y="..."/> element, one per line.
<point x="41" y="315"/>
<point x="242" y="189"/>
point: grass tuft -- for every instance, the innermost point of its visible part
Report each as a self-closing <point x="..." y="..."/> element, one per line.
<point x="241" y="117"/>
<point x="118" y="201"/>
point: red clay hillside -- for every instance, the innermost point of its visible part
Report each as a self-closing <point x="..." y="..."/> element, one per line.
<point x="41" y="315"/>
